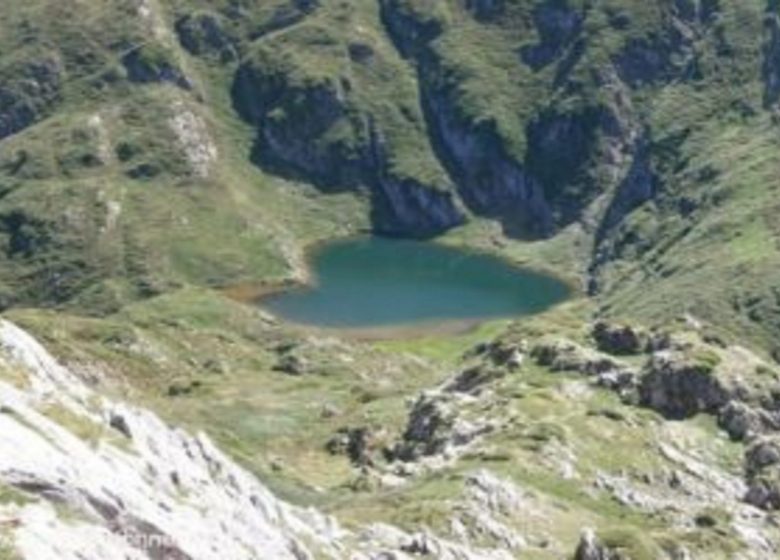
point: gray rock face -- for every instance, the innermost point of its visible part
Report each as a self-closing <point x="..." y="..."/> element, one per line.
<point x="403" y="206"/>
<point x="292" y="120"/>
<point x="489" y="180"/>
<point x="130" y="499"/>
<point x="286" y="141"/>
<point x="680" y="386"/>
<point x="142" y="490"/>
<point x="670" y="53"/>
<point x="560" y="146"/>
<point x="639" y="185"/>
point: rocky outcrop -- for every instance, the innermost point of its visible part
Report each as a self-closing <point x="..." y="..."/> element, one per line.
<point x="638" y="186"/>
<point x="683" y="375"/>
<point x="355" y="443"/>
<point x="682" y="381"/>
<point x="154" y="64"/>
<point x="561" y="147"/>
<point x="561" y="354"/>
<point x="490" y="181"/>
<point x="159" y="493"/>
<point x="490" y="508"/>
<point x="620" y="339"/>
<point x="472" y="379"/>
<point x="404" y="206"/>
<point x="762" y="471"/>
<point x="441" y="424"/>
<point x="680" y="385"/>
<point x="28" y="89"/>
<point x="744" y="421"/>
<point x="669" y="52"/>
<point x="285" y="139"/>
<point x="557" y="25"/>
<point x="771" y="53"/>
<point x="204" y="34"/>
<point x="591" y="548"/>
<point x="655" y="58"/>
<point x="103" y="480"/>
<point x="545" y="188"/>
<point x="297" y="124"/>
<point x="194" y="139"/>
<point x="429" y="429"/>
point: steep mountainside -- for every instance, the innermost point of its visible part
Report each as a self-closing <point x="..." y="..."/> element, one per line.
<point x="643" y="133"/>
<point x="163" y="161"/>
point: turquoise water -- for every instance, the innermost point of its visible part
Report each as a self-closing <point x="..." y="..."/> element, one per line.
<point x="379" y="282"/>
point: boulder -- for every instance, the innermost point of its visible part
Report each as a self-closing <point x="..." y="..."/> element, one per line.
<point x="473" y="379"/>
<point x="118" y="421"/>
<point x="680" y="384"/>
<point x="743" y="422"/>
<point x="292" y="364"/>
<point x="203" y="34"/>
<point x="356" y="443"/>
<point x="154" y="64"/>
<point x="561" y="354"/>
<point x="436" y="428"/>
<point x="762" y="472"/>
<point x="620" y="339"/>
<point x="430" y="421"/>
<point x="764" y="491"/>
<point x="623" y="382"/>
<point x="590" y="548"/>
<point x="761" y="454"/>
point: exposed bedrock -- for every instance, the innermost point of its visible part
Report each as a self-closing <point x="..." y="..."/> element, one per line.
<point x="316" y="131"/>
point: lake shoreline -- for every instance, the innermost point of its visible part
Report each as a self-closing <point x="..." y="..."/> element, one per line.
<point x="560" y="290"/>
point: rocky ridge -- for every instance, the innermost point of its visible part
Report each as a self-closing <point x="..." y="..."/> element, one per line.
<point x="100" y="479"/>
<point x="680" y="374"/>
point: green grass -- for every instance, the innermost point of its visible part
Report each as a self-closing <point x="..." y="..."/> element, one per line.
<point x="630" y="542"/>
<point x="80" y="426"/>
<point x="10" y="495"/>
<point x="244" y="225"/>
<point x="7" y="549"/>
<point x="444" y="347"/>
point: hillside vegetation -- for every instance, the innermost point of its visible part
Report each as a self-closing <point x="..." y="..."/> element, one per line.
<point x="157" y="156"/>
<point x="150" y="145"/>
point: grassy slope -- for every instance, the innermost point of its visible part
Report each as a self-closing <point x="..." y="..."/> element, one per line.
<point x="65" y="178"/>
<point x="176" y="230"/>
<point x="82" y="231"/>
